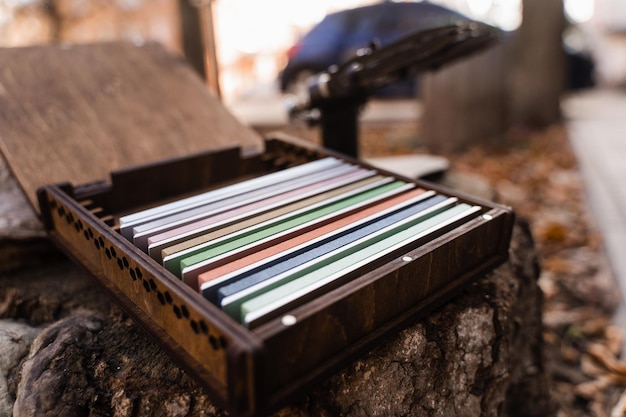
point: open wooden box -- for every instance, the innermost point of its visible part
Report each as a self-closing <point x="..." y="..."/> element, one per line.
<point x="124" y="160"/>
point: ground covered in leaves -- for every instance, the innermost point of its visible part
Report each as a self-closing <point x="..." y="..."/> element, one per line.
<point x="536" y="173"/>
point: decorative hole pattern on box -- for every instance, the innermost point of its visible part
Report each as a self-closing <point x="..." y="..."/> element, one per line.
<point x="139" y="278"/>
<point x="181" y="311"/>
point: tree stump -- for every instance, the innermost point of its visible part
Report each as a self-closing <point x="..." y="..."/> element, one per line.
<point x="68" y="350"/>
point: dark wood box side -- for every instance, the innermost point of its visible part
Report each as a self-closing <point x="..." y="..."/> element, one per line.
<point x="341" y="317"/>
<point x="142" y="186"/>
<point x="218" y="352"/>
<point x="138" y="187"/>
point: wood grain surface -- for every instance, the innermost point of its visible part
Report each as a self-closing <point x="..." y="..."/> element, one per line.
<point x="76" y="113"/>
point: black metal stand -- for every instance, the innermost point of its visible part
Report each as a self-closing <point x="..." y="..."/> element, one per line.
<point x="339" y="93"/>
<point x="339" y="122"/>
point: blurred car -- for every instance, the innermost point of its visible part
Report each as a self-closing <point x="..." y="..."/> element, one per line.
<point x="339" y="35"/>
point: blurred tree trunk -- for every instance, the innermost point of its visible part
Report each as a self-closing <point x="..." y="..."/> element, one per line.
<point x="538" y="67"/>
<point x="518" y="82"/>
<point x="465" y="102"/>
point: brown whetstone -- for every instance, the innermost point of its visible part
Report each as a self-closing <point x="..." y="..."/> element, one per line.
<point x="76" y="113"/>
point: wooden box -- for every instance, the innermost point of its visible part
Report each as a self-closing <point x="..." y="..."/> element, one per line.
<point x="249" y="372"/>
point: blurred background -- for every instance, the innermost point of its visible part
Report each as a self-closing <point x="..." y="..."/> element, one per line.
<point x="253" y="38"/>
<point x="243" y="48"/>
<point x="536" y="122"/>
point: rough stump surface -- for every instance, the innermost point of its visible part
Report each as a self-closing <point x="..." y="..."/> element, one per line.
<point x="73" y="352"/>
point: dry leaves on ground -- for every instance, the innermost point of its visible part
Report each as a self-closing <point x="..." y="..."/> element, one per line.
<point x="537" y="174"/>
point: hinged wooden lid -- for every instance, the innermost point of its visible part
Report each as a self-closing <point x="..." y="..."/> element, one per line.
<point x="76" y="113"/>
